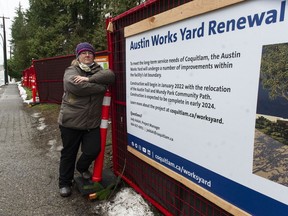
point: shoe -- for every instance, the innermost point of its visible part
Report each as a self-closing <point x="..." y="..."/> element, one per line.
<point x="65" y="191"/>
<point x="86" y="175"/>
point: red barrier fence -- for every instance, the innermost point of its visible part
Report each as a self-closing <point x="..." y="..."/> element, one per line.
<point x="27" y="76"/>
<point x="49" y="76"/>
<point x="168" y="195"/>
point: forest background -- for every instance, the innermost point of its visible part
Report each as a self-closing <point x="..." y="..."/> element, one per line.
<point x="54" y="28"/>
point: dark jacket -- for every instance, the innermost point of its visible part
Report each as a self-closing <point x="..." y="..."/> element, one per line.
<point x="82" y="102"/>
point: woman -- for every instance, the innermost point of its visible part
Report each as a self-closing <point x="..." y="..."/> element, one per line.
<point x="85" y="83"/>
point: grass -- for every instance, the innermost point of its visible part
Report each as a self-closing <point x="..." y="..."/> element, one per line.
<point x="48" y="107"/>
<point x="28" y="92"/>
<point x="42" y="107"/>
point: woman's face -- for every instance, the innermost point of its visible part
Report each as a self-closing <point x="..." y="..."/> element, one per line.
<point x="86" y="57"/>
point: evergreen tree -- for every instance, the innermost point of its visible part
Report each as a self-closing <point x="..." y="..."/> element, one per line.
<point x="20" y="50"/>
<point x="53" y="28"/>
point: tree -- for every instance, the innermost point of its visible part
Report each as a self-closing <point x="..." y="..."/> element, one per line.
<point x="117" y="7"/>
<point x="20" y="58"/>
<point x="274" y="70"/>
<point x="54" y="28"/>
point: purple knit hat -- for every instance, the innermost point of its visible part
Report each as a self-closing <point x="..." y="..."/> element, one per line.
<point x="81" y="47"/>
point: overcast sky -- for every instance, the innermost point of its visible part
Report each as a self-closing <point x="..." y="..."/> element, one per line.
<point x="8" y="9"/>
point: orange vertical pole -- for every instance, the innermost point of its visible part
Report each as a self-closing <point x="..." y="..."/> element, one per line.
<point x="33" y="83"/>
<point x="98" y="163"/>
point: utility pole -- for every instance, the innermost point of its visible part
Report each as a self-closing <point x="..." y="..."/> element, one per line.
<point x="5" y="51"/>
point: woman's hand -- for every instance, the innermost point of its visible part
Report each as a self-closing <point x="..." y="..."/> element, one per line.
<point x="79" y="79"/>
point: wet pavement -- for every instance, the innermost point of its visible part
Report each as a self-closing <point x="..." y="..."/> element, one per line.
<point x="28" y="167"/>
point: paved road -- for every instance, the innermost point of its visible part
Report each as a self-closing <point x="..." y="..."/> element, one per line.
<point x="28" y="175"/>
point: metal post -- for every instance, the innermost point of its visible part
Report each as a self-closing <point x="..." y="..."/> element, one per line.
<point x="5" y="52"/>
